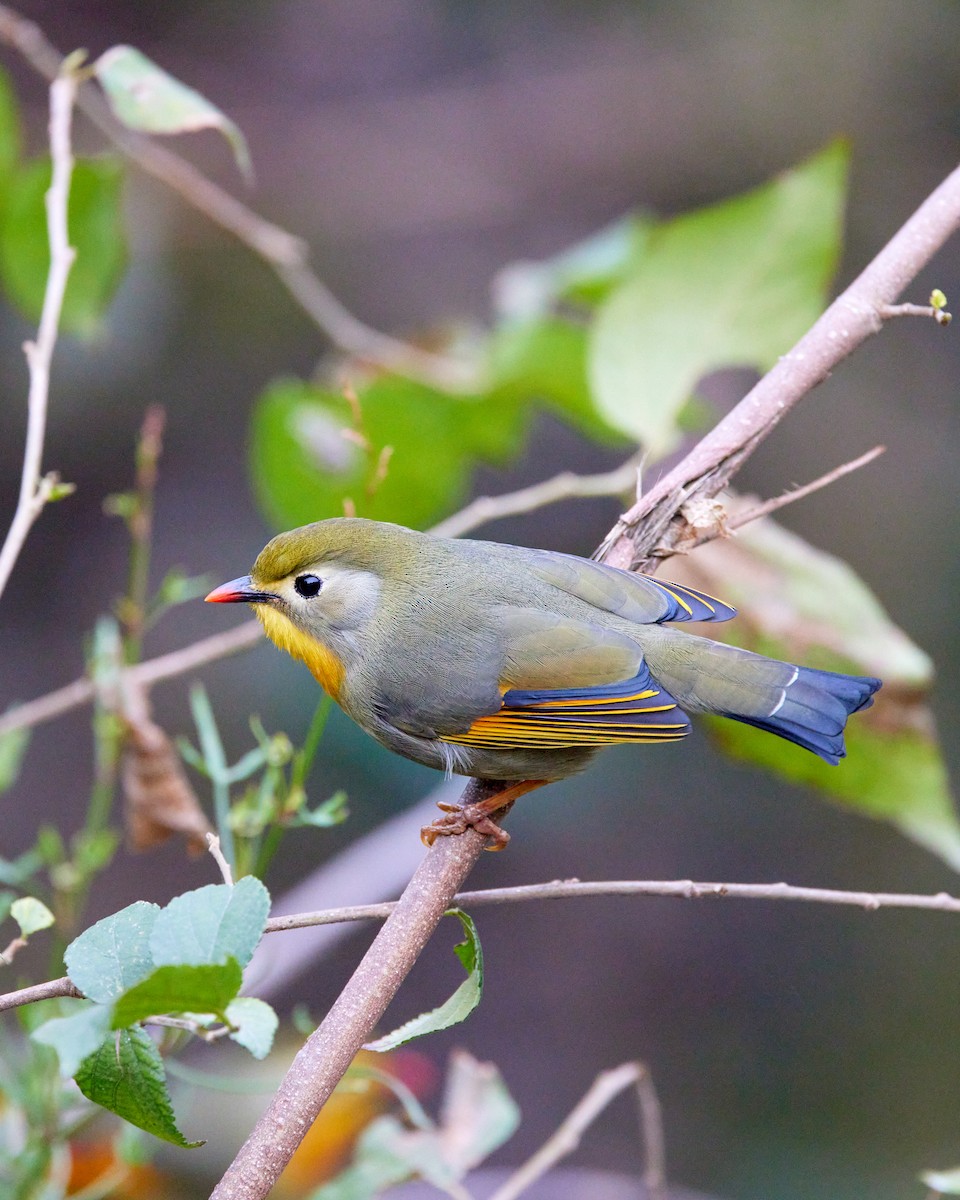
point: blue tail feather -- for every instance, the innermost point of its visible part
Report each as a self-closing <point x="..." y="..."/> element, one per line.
<point x="814" y="710"/>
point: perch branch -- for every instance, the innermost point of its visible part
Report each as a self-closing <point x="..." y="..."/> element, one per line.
<point x="34" y="490"/>
<point x="652" y="526"/>
<point x="329" y="1050"/>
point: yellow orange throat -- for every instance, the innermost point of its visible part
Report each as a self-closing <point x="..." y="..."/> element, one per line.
<point x="323" y="664"/>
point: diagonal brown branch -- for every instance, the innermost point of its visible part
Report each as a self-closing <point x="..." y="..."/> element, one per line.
<point x="850" y="320"/>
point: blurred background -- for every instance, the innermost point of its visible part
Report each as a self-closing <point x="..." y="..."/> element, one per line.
<point x="799" y="1051"/>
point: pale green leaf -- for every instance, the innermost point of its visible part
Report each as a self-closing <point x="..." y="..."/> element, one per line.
<point x="255" y="1024"/>
<point x="144" y="97"/>
<point x="800" y="604"/>
<point x="211" y="924"/>
<point x="31" y="915"/>
<point x="735" y="284"/>
<point x="75" y="1037"/>
<point x="947" y="1183"/>
<point x="458" y="1007"/>
<point x="114" y="954"/>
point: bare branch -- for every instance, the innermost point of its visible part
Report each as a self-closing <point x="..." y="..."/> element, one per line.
<point x="720" y="524"/>
<point x="889" y="311"/>
<point x="680" y="889"/>
<point x="34" y="491"/>
<point x="561" y="487"/>
<point x="213" y="845"/>
<point x="605" y="1088"/>
<point x="40" y="991"/>
<point x="850" y="320"/>
<point x="166" y="666"/>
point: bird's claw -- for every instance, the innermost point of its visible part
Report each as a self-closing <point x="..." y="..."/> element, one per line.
<point x="458" y="819"/>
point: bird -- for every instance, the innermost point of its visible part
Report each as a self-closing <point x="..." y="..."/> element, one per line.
<point x="516" y="665"/>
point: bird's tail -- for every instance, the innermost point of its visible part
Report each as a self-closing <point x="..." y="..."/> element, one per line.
<point x="803" y="705"/>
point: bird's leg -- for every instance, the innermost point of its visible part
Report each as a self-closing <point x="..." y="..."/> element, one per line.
<point x="479" y="815"/>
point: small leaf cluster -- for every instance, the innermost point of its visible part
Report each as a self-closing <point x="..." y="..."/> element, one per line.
<point x="184" y="961"/>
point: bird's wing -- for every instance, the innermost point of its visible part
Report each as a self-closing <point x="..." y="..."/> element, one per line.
<point x="638" y="598"/>
<point x="608" y="694"/>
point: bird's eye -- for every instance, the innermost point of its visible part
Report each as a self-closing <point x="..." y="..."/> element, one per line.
<point x="307" y="585"/>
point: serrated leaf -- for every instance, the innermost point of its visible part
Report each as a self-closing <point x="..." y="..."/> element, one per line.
<point x="800" y="604"/>
<point x="144" y="97"/>
<point x="75" y="1037"/>
<point x="947" y="1183"/>
<point x="114" y="954"/>
<point x="735" y="284"/>
<point x="478" y="1113"/>
<point x="459" y="1006"/>
<point x="256" y="1024"/>
<point x="126" y="1077"/>
<point x="13" y="746"/>
<point x="177" y="989"/>
<point x="95" y="230"/>
<point x="211" y="924"/>
<point x="31" y="915"/>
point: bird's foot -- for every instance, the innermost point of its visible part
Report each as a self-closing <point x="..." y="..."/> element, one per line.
<point x="459" y="818"/>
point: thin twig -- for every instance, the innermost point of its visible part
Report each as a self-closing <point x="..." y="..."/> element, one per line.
<point x="680" y="889"/>
<point x="564" y="486"/>
<point x="285" y="253"/>
<point x="165" y="666"/>
<point x="40" y="991"/>
<point x="34" y="491"/>
<point x="941" y="316"/>
<point x="570" y="889"/>
<point x="718" y="528"/>
<point x="213" y="845"/>
<point x="605" y="1088"/>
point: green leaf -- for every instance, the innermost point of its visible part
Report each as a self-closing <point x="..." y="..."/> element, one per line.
<point x="584" y="272"/>
<point x="735" y="284"/>
<point x="255" y="1025"/>
<point x="545" y="359"/>
<point x="947" y="1183"/>
<point x="114" y="954"/>
<point x="126" y="1077"/>
<point x="95" y="230"/>
<point x="75" y="1037"/>
<point x="177" y="989"/>
<point x="331" y="812"/>
<point x="144" y="97"/>
<point x="459" y="1006"/>
<point x="13" y="746"/>
<point x="10" y="134"/>
<point x="211" y="924"/>
<point x="31" y="915"/>
<point x="800" y="604"/>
